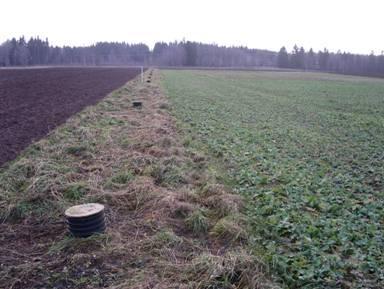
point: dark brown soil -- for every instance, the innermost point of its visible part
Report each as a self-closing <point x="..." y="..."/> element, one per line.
<point x="35" y="101"/>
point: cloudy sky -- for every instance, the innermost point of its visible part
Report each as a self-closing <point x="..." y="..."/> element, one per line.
<point x="348" y="25"/>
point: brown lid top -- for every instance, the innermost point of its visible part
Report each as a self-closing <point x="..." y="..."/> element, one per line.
<point x="84" y="210"/>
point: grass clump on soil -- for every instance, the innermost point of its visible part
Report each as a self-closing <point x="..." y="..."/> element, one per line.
<point x="119" y="179"/>
<point x="76" y="191"/>
<point x="165" y="238"/>
<point x="231" y="229"/>
<point x="305" y="151"/>
<point x="167" y="174"/>
<point x="29" y="186"/>
<point x="197" y="222"/>
<point x="235" y="269"/>
<point x="76" y="150"/>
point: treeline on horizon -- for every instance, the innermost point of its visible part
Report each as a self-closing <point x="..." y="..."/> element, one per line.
<point x="35" y="51"/>
<point x="340" y="62"/>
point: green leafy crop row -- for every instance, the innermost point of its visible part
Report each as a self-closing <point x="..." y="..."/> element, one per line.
<point x="307" y="152"/>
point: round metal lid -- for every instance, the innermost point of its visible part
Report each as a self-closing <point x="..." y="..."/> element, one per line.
<point x="84" y="210"/>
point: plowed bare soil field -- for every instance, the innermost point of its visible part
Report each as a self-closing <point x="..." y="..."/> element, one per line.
<point x="34" y="101"/>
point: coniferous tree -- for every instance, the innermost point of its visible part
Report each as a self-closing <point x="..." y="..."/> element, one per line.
<point x="371" y="69"/>
<point x="310" y="60"/>
<point x="282" y="58"/>
<point x="301" y="58"/>
<point x="191" y="53"/>
<point x="323" y="59"/>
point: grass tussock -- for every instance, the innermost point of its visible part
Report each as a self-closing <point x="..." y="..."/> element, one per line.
<point x="132" y="197"/>
<point x="119" y="179"/>
<point x="235" y="269"/>
<point x="197" y="222"/>
<point x="75" y="191"/>
<point x="231" y="229"/>
<point x="168" y="173"/>
<point x="164" y="239"/>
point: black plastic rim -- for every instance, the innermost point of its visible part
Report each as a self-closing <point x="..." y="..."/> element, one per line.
<point x="88" y="229"/>
<point x="86" y="226"/>
<point x="87" y="234"/>
<point x="84" y="219"/>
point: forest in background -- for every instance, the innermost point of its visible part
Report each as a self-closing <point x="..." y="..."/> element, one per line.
<point x="35" y="51"/>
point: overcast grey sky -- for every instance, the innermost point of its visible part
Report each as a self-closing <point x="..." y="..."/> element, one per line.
<point x="354" y="25"/>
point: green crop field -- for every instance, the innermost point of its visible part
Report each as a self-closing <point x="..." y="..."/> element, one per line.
<point x="306" y="150"/>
